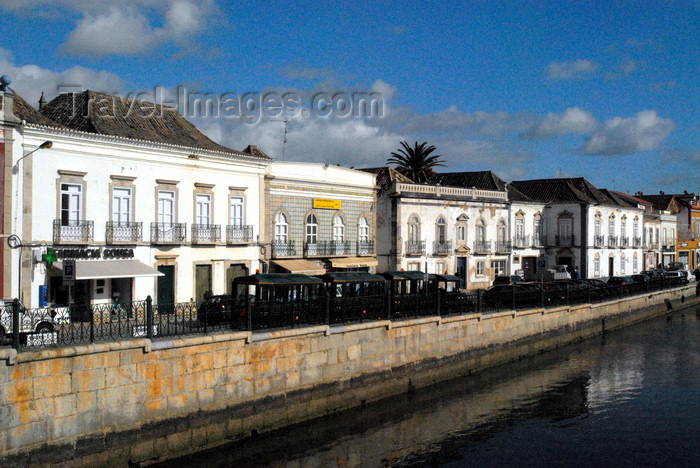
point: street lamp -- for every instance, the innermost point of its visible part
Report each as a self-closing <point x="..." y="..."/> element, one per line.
<point x="15" y="170"/>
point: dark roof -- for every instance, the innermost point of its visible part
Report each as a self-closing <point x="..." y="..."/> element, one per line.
<point x="386" y="176"/>
<point x="484" y="180"/>
<point x="663" y="201"/>
<point x="635" y="200"/>
<point x="350" y="277"/>
<point x="516" y="195"/>
<point x="569" y="190"/>
<point x="24" y="111"/>
<point x="277" y="278"/>
<point x="104" y="114"/>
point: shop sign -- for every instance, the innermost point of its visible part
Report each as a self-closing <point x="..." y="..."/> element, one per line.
<point x="326" y="204"/>
<point x="93" y="253"/>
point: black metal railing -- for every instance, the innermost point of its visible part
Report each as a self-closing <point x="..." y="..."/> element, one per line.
<point x="612" y="242"/>
<point x="92" y="323"/>
<point x="521" y="242"/>
<point x="206" y="233"/>
<point x="482" y="247"/>
<point x="168" y="233"/>
<point x="637" y="242"/>
<point x="73" y="231"/>
<point x="539" y="241"/>
<point x="117" y="232"/>
<point x="503" y="247"/>
<point x="283" y="249"/>
<point x="239" y="234"/>
<point x="624" y="242"/>
<point x="598" y="241"/>
<point x="365" y="248"/>
<point x="564" y="240"/>
<point x="415" y="247"/>
<point x="442" y="248"/>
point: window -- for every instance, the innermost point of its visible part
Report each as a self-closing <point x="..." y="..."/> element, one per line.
<point x="440" y="268"/>
<point x="311" y="229"/>
<point x="480" y="231"/>
<point x="363" y="230"/>
<point x="635" y="229"/>
<point x="413" y="266"/>
<point x="71" y="204"/>
<point x="441" y="230"/>
<point x="519" y="229"/>
<point x="623" y="263"/>
<point x="461" y="233"/>
<point x="121" y="205"/>
<point x="597" y="228"/>
<point x="281" y="228"/>
<point x="480" y="268"/>
<point x="236" y="211"/>
<point x="538" y="231"/>
<point x="498" y="267"/>
<point x="623" y="228"/>
<point x="166" y="207"/>
<point x="611" y="227"/>
<point x="596" y="265"/>
<point x="338" y="229"/>
<point x="635" y="261"/>
<point x="502" y="231"/>
<point x="565" y="229"/>
<point x="203" y="215"/>
<point x="414" y="229"/>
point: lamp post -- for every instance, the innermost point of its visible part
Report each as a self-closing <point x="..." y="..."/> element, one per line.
<point x="15" y="170"/>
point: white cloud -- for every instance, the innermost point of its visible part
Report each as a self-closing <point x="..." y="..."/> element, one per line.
<point x="573" y="121"/>
<point x="619" y="136"/>
<point x="30" y="80"/>
<point x="626" y="67"/>
<point x="571" y="70"/>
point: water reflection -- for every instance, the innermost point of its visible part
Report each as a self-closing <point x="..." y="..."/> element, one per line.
<point x="599" y="402"/>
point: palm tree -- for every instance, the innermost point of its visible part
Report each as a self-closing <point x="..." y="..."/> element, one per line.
<point x="415" y="163"/>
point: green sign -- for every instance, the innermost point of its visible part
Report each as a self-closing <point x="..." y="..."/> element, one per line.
<point x="49" y="257"/>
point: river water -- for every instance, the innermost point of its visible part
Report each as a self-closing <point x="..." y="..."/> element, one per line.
<point x="628" y="398"/>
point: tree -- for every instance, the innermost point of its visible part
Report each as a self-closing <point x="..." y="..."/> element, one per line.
<point x="415" y="163"/>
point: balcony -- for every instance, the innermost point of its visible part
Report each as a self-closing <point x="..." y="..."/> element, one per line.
<point x="521" y="242"/>
<point x="123" y="233"/>
<point x="624" y="242"/>
<point x="503" y="247"/>
<point x="338" y="248"/>
<point x="72" y="231"/>
<point x="442" y="248"/>
<point x="365" y="248"/>
<point x="482" y="247"/>
<point x="239" y="234"/>
<point x="612" y="242"/>
<point x="598" y="241"/>
<point x="283" y="249"/>
<point x="539" y="241"/>
<point x="636" y="242"/>
<point x="564" y="240"/>
<point x="669" y="246"/>
<point x="415" y="247"/>
<point x="168" y="233"/>
<point x="206" y="233"/>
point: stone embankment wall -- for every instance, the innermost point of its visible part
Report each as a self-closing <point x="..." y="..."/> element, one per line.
<point x="140" y="401"/>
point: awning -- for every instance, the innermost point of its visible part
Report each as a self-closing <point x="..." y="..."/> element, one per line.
<point x="303" y="267"/>
<point x="353" y="262"/>
<point x="100" y="269"/>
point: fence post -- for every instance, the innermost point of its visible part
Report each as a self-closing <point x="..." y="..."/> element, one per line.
<point x="478" y="301"/>
<point x="327" y="301"/>
<point x="149" y="317"/>
<point x="542" y="296"/>
<point x="621" y="290"/>
<point x="512" y="296"/>
<point x="588" y="289"/>
<point x="437" y="294"/>
<point x="388" y="303"/>
<point x="249" y="312"/>
<point x="15" y="324"/>
<point x="567" y="293"/>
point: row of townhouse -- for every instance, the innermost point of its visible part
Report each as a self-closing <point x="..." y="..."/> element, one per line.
<point x="150" y="206"/>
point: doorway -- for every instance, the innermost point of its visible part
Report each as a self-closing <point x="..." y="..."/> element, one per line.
<point x="611" y="265"/>
<point x="202" y="282"/>
<point x="166" y="289"/>
<point x="234" y="271"/>
<point x="461" y="271"/>
<point x="529" y="267"/>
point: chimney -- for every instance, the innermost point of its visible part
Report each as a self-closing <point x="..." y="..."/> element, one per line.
<point x="7" y="103"/>
<point x="661" y="192"/>
<point x="42" y="101"/>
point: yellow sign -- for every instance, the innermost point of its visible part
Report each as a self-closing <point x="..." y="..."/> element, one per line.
<point x="326" y="204"/>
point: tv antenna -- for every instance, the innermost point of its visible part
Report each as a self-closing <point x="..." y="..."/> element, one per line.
<point x="284" y="142"/>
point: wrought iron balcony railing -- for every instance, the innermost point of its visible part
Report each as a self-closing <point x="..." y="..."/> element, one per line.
<point x="415" y="247"/>
<point x="539" y="241"/>
<point x="482" y="247"/>
<point x="503" y="247"/>
<point x="168" y="233"/>
<point x="598" y="241"/>
<point x="612" y="242"/>
<point x="442" y="248"/>
<point x="72" y="231"/>
<point x="637" y="242"/>
<point x="521" y="242"/>
<point x="283" y="249"/>
<point x="365" y="248"/>
<point x="206" y="233"/>
<point x="624" y="242"/>
<point x="116" y="232"/>
<point x="311" y="249"/>
<point x="239" y="234"/>
<point x="564" y="241"/>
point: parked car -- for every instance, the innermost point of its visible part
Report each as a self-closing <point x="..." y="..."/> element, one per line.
<point x="620" y="280"/>
<point x="501" y="295"/>
<point x="31" y="321"/>
<point x="512" y="279"/>
<point x="680" y="276"/>
<point x="641" y="278"/>
<point x="220" y="309"/>
<point x="654" y="273"/>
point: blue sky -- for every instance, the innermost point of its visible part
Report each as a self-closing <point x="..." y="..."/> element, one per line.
<point x="605" y="90"/>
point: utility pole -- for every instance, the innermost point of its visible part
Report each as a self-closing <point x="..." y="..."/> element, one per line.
<point x="284" y="142"/>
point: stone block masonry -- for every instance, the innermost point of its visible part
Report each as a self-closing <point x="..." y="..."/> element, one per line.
<point x="139" y="401"/>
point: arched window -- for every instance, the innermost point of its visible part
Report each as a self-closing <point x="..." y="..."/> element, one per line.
<point x="596" y="265"/>
<point x="281" y="228"/>
<point x="441" y="230"/>
<point x="414" y="229"/>
<point x="338" y="229"/>
<point x="502" y="231"/>
<point x="311" y="229"/>
<point x="363" y="230"/>
<point x="480" y="231"/>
